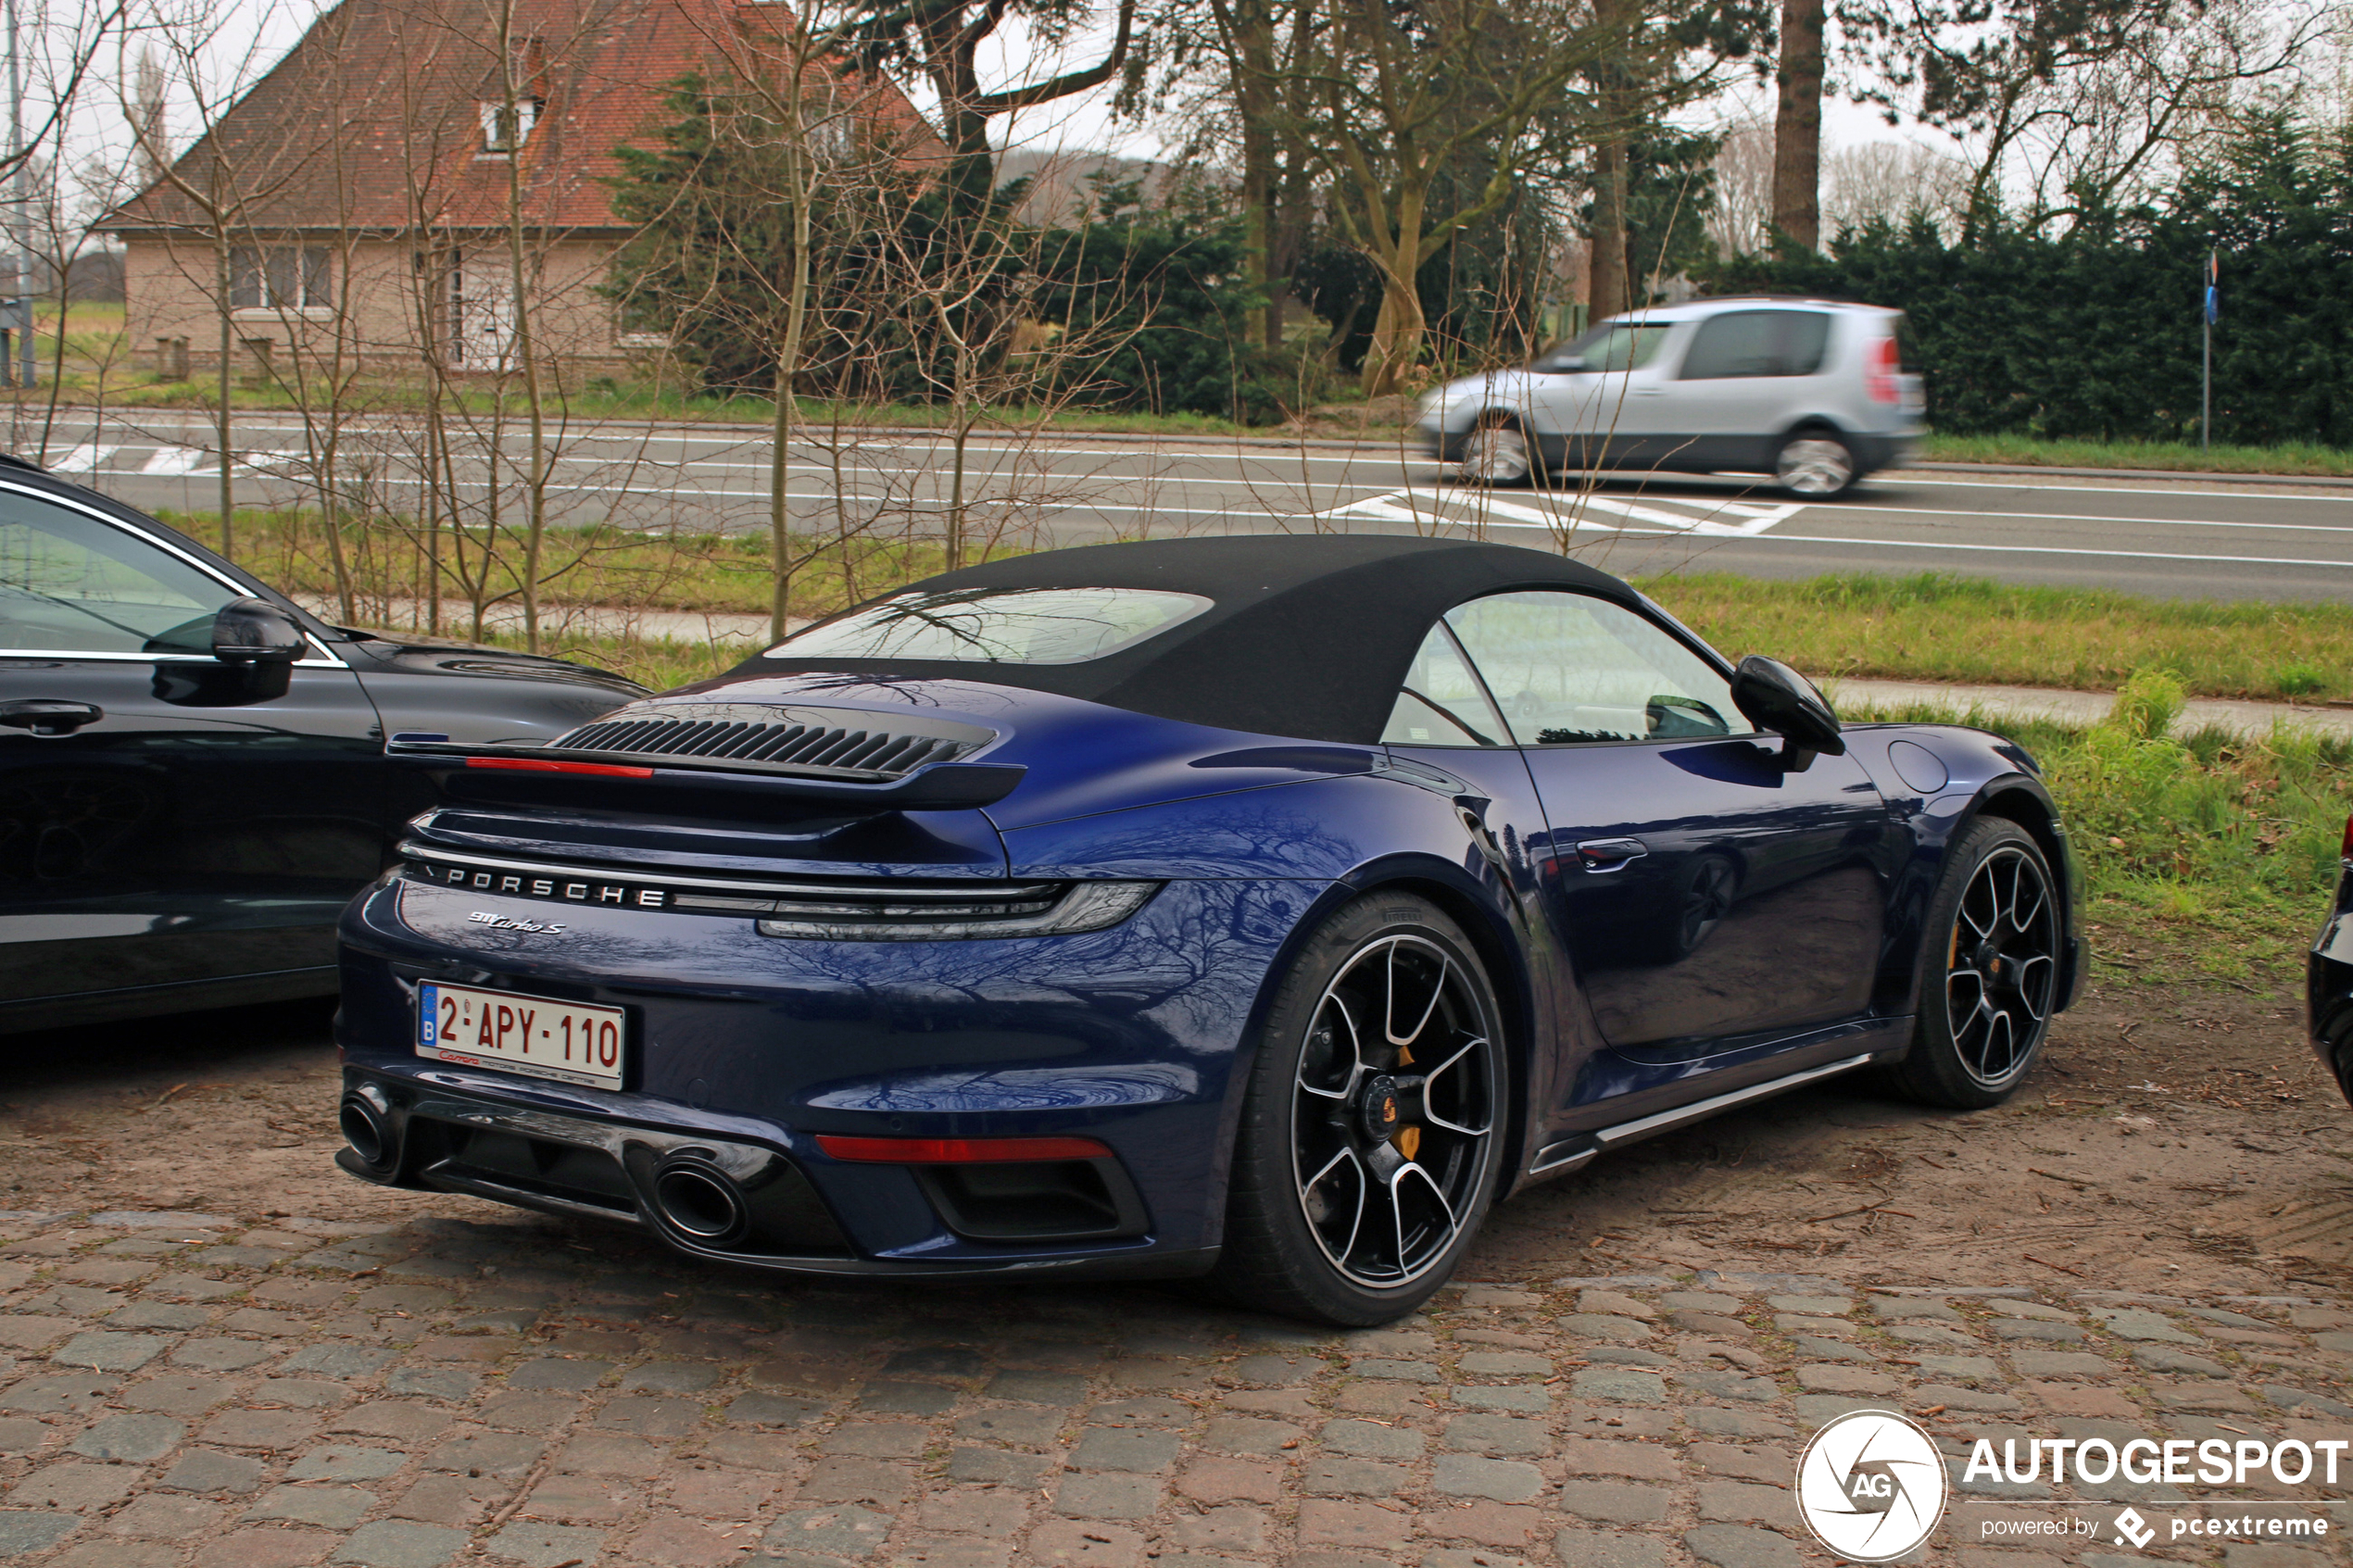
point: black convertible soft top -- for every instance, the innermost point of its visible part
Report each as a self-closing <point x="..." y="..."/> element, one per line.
<point x="1310" y="637"/>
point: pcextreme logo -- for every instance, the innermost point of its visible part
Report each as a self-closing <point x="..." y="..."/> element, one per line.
<point x="1870" y="1486"/>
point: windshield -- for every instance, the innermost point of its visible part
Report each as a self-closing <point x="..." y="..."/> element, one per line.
<point x="1613" y="345"/>
<point x="999" y="625"/>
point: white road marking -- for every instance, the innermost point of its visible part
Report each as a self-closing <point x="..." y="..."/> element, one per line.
<point x="88" y="457"/>
<point x="2095" y="516"/>
<point x="172" y="460"/>
<point x="1412" y="504"/>
<point x="2151" y="488"/>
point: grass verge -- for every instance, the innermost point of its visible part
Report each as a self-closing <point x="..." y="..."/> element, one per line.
<point x="1932" y="626"/>
<point x="2208" y="858"/>
<point x="1928" y="626"/>
<point x="2185" y="456"/>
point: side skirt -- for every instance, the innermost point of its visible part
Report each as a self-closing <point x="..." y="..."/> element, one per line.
<point x="1569" y="1153"/>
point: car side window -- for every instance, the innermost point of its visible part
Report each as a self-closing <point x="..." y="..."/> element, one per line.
<point x="71" y="584"/>
<point x="1568" y="668"/>
<point x="1757" y="343"/>
<point x="1442" y="702"/>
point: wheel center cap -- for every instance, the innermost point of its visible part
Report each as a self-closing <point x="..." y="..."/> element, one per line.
<point x="1380" y="1110"/>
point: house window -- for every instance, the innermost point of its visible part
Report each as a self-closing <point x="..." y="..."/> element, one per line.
<point x="281" y="277"/>
<point x="507" y="127"/>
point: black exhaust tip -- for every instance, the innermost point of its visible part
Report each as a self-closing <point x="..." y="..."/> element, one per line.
<point x="697" y="1200"/>
<point x="369" y="1132"/>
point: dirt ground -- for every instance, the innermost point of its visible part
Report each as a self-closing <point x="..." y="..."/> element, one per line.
<point x="2171" y="1139"/>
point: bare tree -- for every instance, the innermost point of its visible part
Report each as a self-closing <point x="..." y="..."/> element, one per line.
<point x="1742" y="222"/>
<point x="2069" y="108"/>
<point x="1890" y="182"/>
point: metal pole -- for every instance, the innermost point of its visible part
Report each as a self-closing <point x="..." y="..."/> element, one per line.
<point x="2206" y="375"/>
<point x="24" y="202"/>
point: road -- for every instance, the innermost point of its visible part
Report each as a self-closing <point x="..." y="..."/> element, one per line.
<point x="222" y="1352"/>
<point x="2163" y="537"/>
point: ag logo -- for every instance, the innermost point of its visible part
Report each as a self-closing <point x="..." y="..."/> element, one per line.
<point x="1870" y="1486"/>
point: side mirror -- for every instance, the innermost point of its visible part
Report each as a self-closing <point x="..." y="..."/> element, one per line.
<point x="1561" y="365"/>
<point x="1773" y="697"/>
<point x="255" y="632"/>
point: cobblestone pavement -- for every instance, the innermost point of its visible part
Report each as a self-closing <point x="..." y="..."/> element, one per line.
<point x="194" y="1389"/>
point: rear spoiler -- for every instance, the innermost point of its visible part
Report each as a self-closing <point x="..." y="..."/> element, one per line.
<point x="936" y="786"/>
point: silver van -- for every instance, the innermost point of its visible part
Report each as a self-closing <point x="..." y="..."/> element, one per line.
<point x="1811" y="391"/>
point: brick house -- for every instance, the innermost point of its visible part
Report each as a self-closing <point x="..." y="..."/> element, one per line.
<point x="359" y="197"/>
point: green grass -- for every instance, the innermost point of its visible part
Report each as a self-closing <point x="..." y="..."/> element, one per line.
<point x="2294" y="458"/>
<point x="2221" y="848"/>
<point x="1932" y="626"/>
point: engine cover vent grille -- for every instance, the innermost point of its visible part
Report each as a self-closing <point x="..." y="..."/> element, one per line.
<point x="831" y="743"/>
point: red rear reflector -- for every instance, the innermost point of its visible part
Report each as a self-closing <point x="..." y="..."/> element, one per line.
<point x="1879" y="374"/>
<point x="538" y="765"/>
<point x="957" y="1151"/>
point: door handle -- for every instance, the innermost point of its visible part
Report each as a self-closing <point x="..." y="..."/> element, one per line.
<point x="48" y="715"/>
<point x="1611" y="854"/>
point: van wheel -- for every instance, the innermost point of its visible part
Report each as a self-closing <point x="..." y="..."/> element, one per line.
<point x="1815" y="464"/>
<point x="1497" y="453"/>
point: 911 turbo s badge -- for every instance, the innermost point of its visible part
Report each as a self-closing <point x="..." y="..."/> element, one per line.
<point x="526" y="928"/>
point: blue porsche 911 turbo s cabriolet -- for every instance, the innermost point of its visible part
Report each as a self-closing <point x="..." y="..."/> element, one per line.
<point x="1258" y="908"/>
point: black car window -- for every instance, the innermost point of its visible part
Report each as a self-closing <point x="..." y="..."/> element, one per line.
<point x="1567" y="667"/>
<point x="1441" y="702"/>
<point x="69" y="583"/>
<point x="1757" y="343"/>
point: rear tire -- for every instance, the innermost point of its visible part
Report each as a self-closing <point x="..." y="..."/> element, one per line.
<point x="1989" y="971"/>
<point x="1817" y="464"/>
<point x="1370" y="1144"/>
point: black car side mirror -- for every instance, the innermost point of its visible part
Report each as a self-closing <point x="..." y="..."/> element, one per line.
<point x="255" y="632"/>
<point x="1773" y="697"/>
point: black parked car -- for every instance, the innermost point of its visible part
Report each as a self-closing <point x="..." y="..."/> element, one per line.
<point x="191" y="771"/>
<point x="2330" y="1008"/>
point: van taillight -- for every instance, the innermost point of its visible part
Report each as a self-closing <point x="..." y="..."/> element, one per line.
<point x="2345" y="849"/>
<point x="1880" y="372"/>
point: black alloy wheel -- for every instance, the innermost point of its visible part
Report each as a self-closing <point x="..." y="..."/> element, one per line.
<point x="1371" y="1136"/>
<point x="1988" y="975"/>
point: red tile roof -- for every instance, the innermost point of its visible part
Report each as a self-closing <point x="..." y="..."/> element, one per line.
<point x="374" y="120"/>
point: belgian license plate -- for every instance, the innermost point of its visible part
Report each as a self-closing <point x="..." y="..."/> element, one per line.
<point x="531" y="1035"/>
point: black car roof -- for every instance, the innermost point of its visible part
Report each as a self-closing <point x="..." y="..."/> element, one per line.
<point x="1310" y="637"/>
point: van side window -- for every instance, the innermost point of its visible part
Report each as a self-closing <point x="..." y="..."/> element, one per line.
<point x="1757" y="343"/>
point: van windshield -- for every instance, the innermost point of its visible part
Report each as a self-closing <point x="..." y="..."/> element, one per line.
<point x="1613" y="346"/>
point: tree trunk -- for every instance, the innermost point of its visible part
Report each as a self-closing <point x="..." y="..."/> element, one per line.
<point x="1397" y="335"/>
<point x="1797" y="129"/>
<point x="1251" y="43"/>
<point x="1607" y="289"/>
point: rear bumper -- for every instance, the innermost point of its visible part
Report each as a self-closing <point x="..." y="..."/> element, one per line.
<point x="452" y="1135"/>
<point x="747" y="1048"/>
<point x="1875" y="452"/>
